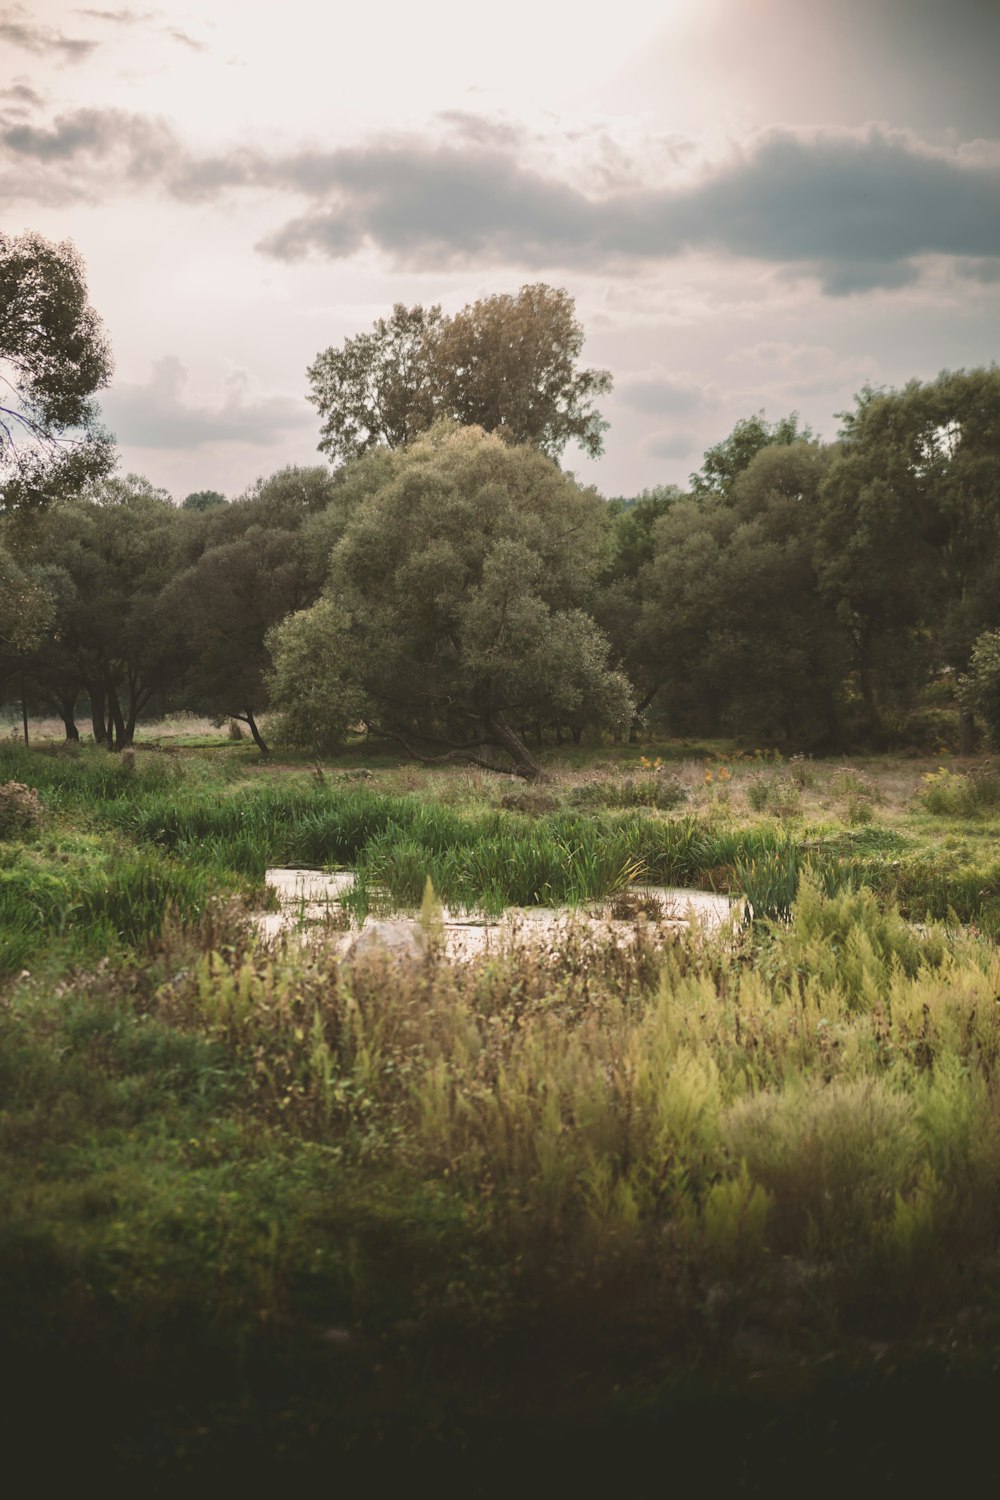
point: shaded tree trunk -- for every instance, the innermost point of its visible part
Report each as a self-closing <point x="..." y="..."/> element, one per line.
<point x="248" y="719"/>
<point x="870" y="701"/>
<point x="966" y="732"/>
<point x="525" y="764"/>
<point x="98" y="713"/>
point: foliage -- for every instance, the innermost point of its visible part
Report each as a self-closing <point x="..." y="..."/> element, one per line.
<point x="505" y="364"/>
<point x="909" y="517"/>
<point x="979" y="689"/>
<point x="725" y="462"/>
<point x="732" y="624"/>
<point x="953" y="794"/>
<point x="202" y="500"/>
<point x="20" y="809"/>
<point x="53" y="356"/>
<point x="455" y="605"/>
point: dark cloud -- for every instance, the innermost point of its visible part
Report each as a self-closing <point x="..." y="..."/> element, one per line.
<point x="157" y="415"/>
<point x="17" y="28"/>
<point x="857" y="209"/>
<point x="985" y="270"/>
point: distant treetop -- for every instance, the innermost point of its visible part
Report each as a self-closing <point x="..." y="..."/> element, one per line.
<point x="507" y="364"/>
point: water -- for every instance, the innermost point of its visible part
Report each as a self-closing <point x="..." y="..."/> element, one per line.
<point x="310" y="898"/>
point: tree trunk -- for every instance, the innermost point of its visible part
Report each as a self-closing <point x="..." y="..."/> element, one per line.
<point x="966" y="732"/>
<point x="116" y="719"/>
<point x="871" y="704"/>
<point x="248" y="718"/>
<point x="98" y="721"/>
<point x="525" y="764"/>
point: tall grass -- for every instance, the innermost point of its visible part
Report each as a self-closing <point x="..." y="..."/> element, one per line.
<point x="807" y="1104"/>
<point x="94" y="904"/>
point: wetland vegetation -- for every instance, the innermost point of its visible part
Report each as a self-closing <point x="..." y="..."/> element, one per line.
<point x="285" y="1205"/>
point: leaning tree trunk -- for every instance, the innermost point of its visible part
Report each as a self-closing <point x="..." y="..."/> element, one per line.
<point x="258" y="740"/>
<point x="525" y="764"/>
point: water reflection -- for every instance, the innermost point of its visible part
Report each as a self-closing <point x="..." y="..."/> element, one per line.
<point x="311" y="899"/>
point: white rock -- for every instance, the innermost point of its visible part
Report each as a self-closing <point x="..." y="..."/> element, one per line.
<point x="402" y="940"/>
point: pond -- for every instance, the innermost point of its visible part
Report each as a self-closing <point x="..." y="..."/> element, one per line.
<point x="311" y="899"/>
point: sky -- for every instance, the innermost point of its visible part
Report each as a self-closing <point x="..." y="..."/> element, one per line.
<point x="756" y="204"/>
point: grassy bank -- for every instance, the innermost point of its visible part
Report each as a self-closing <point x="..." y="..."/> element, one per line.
<point x="262" y="1208"/>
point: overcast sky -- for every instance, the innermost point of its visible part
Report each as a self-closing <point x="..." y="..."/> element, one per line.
<point x="755" y="203"/>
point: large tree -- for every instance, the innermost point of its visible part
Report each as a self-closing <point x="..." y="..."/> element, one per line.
<point x="731" y="606"/>
<point x="377" y="388"/>
<point x="53" y="357"/>
<point x="456" y="608"/>
<point x="911" y="513"/>
<point x="107" y="554"/>
<point x="506" y="363"/>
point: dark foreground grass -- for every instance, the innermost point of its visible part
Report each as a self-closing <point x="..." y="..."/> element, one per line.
<point x="267" y="1215"/>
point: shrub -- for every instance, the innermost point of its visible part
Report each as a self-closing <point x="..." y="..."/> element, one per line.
<point x="979" y="690"/>
<point x="950" y="794"/>
<point x="20" y="809"/>
<point x="778" y="795"/>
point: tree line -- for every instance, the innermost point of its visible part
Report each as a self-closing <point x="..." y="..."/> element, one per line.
<point x="448" y="586"/>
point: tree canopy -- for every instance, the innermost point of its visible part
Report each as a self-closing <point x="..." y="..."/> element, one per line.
<point x="506" y="363"/>
<point x="456" y="609"/>
<point x="53" y="357"/>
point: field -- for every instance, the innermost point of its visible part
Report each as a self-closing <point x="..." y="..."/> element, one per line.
<point x="269" y="1213"/>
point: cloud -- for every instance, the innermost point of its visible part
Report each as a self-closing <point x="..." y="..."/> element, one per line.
<point x="669" y="445"/>
<point x="127" y="17"/>
<point x="985" y="270"/>
<point x="122" y="17"/>
<point x="857" y="209"/>
<point x="666" y="395"/>
<point x="481" y="130"/>
<point x="159" y="415"/>
<point x="17" y="28"/>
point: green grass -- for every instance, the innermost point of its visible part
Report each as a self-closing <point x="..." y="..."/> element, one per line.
<point x="253" y="1202"/>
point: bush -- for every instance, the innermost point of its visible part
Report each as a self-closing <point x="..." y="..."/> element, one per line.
<point x="778" y="795"/>
<point x="20" y="809"/>
<point x="979" y="689"/>
<point x="643" y="789"/>
<point x="950" y="794"/>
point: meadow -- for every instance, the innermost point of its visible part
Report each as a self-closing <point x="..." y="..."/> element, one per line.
<point x="263" y="1208"/>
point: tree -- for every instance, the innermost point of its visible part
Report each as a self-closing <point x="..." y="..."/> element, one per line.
<point x="53" y="357"/>
<point x="221" y="608"/>
<point x="107" y="555"/>
<point x="979" y="690"/>
<point x="506" y="364"/>
<point x="618" y="608"/>
<point x="378" y="388"/>
<point x="456" y="607"/>
<point x="911" y="512"/>
<point x="201" y="500"/>
<point x="727" y="460"/>
<point x="747" y="644"/>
